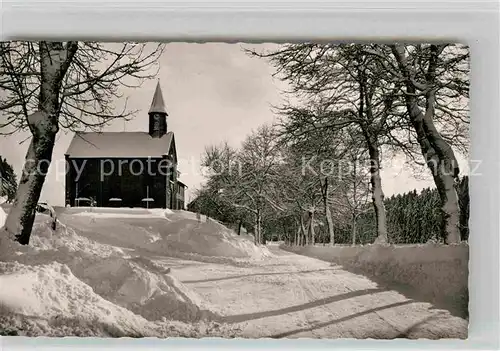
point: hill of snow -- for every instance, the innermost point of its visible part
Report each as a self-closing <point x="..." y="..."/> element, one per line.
<point x="64" y="283"/>
<point x="174" y="233"/>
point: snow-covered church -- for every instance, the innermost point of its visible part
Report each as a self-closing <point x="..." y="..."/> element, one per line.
<point x="126" y="169"/>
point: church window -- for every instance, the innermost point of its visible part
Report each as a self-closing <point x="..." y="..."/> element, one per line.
<point x="156" y="125"/>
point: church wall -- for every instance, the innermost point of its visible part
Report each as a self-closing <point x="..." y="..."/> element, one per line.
<point x="130" y="180"/>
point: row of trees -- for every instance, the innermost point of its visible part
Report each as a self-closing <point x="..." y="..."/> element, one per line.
<point x="413" y="217"/>
<point x="347" y="105"/>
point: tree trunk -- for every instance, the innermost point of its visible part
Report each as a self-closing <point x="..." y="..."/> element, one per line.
<point x="373" y="151"/>
<point x="240" y="223"/>
<point x="55" y="58"/>
<point x="444" y="169"/>
<point x="355" y="203"/>
<point x="258" y="235"/>
<point x="437" y="153"/>
<point x="312" y="234"/>
<point x="328" y="213"/>
<point x="377" y="194"/>
<point x="446" y="175"/>
<point x="255" y="231"/>
<point x="297" y="233"/>
<point x="329" y="221"/>
<point x="284" y="232"/>
<point x="20" y="220"/>
<point x="354" y="230"/>
<point x="304" y="240"/>
<point x="464" y="201"/>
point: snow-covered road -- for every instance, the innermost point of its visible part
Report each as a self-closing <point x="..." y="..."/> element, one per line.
<point x="297" y="296"/>
<point x="285" y="295"/>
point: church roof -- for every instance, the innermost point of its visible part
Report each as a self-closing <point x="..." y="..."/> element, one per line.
<point x="158" y="105"/>
<point x="119" y="144"/>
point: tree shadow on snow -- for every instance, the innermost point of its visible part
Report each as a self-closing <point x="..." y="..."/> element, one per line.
<point x="456" y="307"/>
<point x="254" y="274"/>
<point x="410" y="292"/>
<point x="291" y="309"/>
<point x="340" y="320"/>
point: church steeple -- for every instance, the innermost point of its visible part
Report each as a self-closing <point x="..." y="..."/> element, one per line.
<point x="157" y="114"/>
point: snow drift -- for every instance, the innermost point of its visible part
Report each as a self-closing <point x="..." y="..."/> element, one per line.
<point x="151" y="294"/>
<point x="48" y="300"/>
<point x="66" y="239"/>
<point x="170" y="233"/>
<point x="94" y="276"/>
<point x="64" y="278"/>
<point x="206" y="237"/>
<point x="52" y="291"/>
<point x="136" y="283"/>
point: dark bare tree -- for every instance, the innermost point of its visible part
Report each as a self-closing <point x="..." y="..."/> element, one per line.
<point x="244" y="177"/>
<point x="46" y="86"/>
<point x="351" y="90"/>
<point x="436" y="88"/>
<point x="411" y="99"/>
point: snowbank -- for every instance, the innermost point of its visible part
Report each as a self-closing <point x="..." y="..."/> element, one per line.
<point x="169" y="233"/>
<point x="112" y="212"/>
<point x="144" y="288"/>
<point x="62" y="279"/>
<point x="65" y="238"/>
<point x="48" y="300"/>
<point x="437" y="273"/>
<point x="52" y="290"/>
<point x="132" y="282"/>
<point x="184" y="233"/>
<point x="86" y="278"/>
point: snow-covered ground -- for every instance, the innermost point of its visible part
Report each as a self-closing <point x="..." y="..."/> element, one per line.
<point x="157" y="273"/>
<point x="435" y="272"/>
<point x="95" y="288"/>
<point x="295" y="296"/>
<point x="178" y="234"/>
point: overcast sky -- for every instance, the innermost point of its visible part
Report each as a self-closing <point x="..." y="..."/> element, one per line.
<point x="212" y="92"/>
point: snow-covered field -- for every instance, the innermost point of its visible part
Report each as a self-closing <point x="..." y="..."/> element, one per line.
<point x="163" y="273"/>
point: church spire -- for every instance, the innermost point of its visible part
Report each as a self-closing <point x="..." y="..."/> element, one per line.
<point x="157" y="115"/>
<point x="158" y="105"/>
